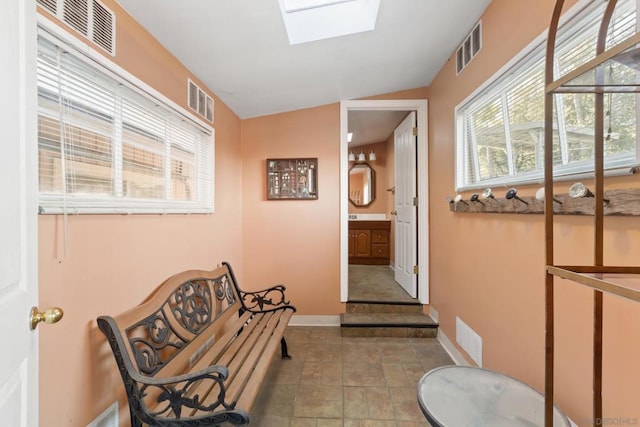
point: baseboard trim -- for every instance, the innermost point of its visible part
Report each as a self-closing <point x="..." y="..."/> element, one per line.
<point x="451" y="349"/>
<point x="309" y="320"/>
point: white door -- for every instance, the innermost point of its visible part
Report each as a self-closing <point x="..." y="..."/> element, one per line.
<point x="406" y="211"/>
<point x="18" y="214"/>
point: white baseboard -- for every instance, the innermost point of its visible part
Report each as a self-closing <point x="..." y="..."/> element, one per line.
<point x="433" y="313"/>
<point x="448" y="346"/>
<point x="302" y="320"/>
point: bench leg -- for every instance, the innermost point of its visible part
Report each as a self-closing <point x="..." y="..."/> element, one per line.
<point x="283" y="348"/>
<point x="135" y="422"/>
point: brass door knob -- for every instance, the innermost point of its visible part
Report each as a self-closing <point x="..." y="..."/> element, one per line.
<point x="394" y="212"/>
<point x="50" y="315"/>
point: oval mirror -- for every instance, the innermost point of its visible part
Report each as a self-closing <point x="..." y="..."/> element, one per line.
<point x="362" y="185"/>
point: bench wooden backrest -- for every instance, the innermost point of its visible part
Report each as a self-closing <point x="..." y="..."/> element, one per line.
<point x="190" y="308"/>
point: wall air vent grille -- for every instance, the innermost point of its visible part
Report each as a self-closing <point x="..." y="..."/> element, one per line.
<point x="50" y="5"/>
<point x="88" y="17"/>
<point x="103" y="27"/>
<point x="199" y="101"/>
<point x="75" y="13"/>
<point x="469" y="48"/>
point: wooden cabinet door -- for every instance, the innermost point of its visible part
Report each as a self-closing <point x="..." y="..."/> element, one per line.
<point x="352" y="243"/>
<point x="362" y="245"/>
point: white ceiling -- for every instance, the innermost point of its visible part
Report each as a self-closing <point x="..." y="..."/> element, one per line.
<point x="240" y="50"/>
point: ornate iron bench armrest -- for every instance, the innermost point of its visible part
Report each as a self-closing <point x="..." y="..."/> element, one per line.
<point x="176" y="393"/>
<point x="265" y="300"/>
<point x="173" y="393"/>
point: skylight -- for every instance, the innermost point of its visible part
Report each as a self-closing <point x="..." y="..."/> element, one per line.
<point x="298" y="5"/>
<point x="311" y="20"/>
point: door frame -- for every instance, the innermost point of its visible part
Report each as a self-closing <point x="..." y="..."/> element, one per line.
<point x="420" y="106"/>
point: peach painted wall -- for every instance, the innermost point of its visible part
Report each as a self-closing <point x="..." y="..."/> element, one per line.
<point x="489" y="269"/>
<point x="380" y="166"/>
<point x="296" y="242"/>
<point x="113" y="261"/>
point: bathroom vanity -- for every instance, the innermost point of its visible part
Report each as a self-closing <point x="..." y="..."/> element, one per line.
<point x="369" y="242"/>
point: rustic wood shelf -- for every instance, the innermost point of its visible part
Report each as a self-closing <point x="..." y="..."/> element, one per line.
<point x="622" y="202"/>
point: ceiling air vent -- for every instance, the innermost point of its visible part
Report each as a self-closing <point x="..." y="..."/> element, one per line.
<point x="469" y="48"/>
<point x="88" y="17"/>
<point x="199" y="101"/>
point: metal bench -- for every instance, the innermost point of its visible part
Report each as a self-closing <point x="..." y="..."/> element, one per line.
<point x="196" y="351"/>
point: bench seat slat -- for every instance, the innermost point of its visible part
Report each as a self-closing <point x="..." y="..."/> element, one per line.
<point x="246" y="339"/>
<point x="257" y="377"/>
<point x="257" y="356"/>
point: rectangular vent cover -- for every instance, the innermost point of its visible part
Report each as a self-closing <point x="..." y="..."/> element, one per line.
<point x="469" y="340"/>
<point x="469" y="48"/>
<point x="88" y="17"/>
<point x="199" y="101"/>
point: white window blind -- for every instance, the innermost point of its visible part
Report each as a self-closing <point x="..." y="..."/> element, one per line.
<point x="500" y="130"/>
<point x="107" y="147"/>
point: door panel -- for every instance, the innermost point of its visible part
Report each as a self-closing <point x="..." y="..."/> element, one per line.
<point x="18" y="216"/>
<point x="406" y="222"/>
<point x="363" y="243"/>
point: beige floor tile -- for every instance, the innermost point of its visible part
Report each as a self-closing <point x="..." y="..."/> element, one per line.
<point x="270" y="421"/>
<point x="394" y="352"/>
<point x="405" y="404"/>
<point x="276" y="400"/>
<point x="351" y="382"/>
<point x="318" y="408"/>
<point x="303" y="422"/>
<point x="369" y="423"/>
<point x="321" y="373"/>
<point x="330" y="422"/>
<point x="318" y="352"/>
<point x="394" y="374"/>
<point x="413" y="423"/>
<point x="355" y="402"/>
<point x="361" y="352"/>
<point x="325" y="335"/>
<point x="379" y="404"/>
<point x="319" y="392"/>
<point x="284" y="372"/>
<point x="363" y="374"/>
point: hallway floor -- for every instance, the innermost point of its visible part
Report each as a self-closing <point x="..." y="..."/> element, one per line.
<point x="348" y="382"/>
<point x="375" y="283"/>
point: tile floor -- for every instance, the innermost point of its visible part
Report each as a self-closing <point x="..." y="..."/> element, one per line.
<point x="375" y="283"/>
<point x="347" y="382"/>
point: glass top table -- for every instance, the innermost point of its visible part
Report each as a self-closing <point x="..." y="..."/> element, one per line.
<point x="473" y="397"/>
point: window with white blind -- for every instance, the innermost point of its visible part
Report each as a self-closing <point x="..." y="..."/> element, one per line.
<point x="106" y="146"/>
<point x="500" y="129"/>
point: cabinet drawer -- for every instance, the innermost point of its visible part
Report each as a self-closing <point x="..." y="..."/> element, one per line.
<point x="379" y="250"/>
<point x="379" y="236"/>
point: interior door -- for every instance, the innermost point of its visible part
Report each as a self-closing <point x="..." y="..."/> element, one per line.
<point x="406" y="211"/>
<point x="18" y="215"/>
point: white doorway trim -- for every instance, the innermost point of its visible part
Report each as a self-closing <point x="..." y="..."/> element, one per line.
<point x="420" y="107"/>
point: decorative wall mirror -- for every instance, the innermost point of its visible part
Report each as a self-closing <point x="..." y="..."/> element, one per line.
<point x="362" y="185"/>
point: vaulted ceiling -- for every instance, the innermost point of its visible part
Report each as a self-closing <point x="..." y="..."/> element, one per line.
<point x="240" y="50"/>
